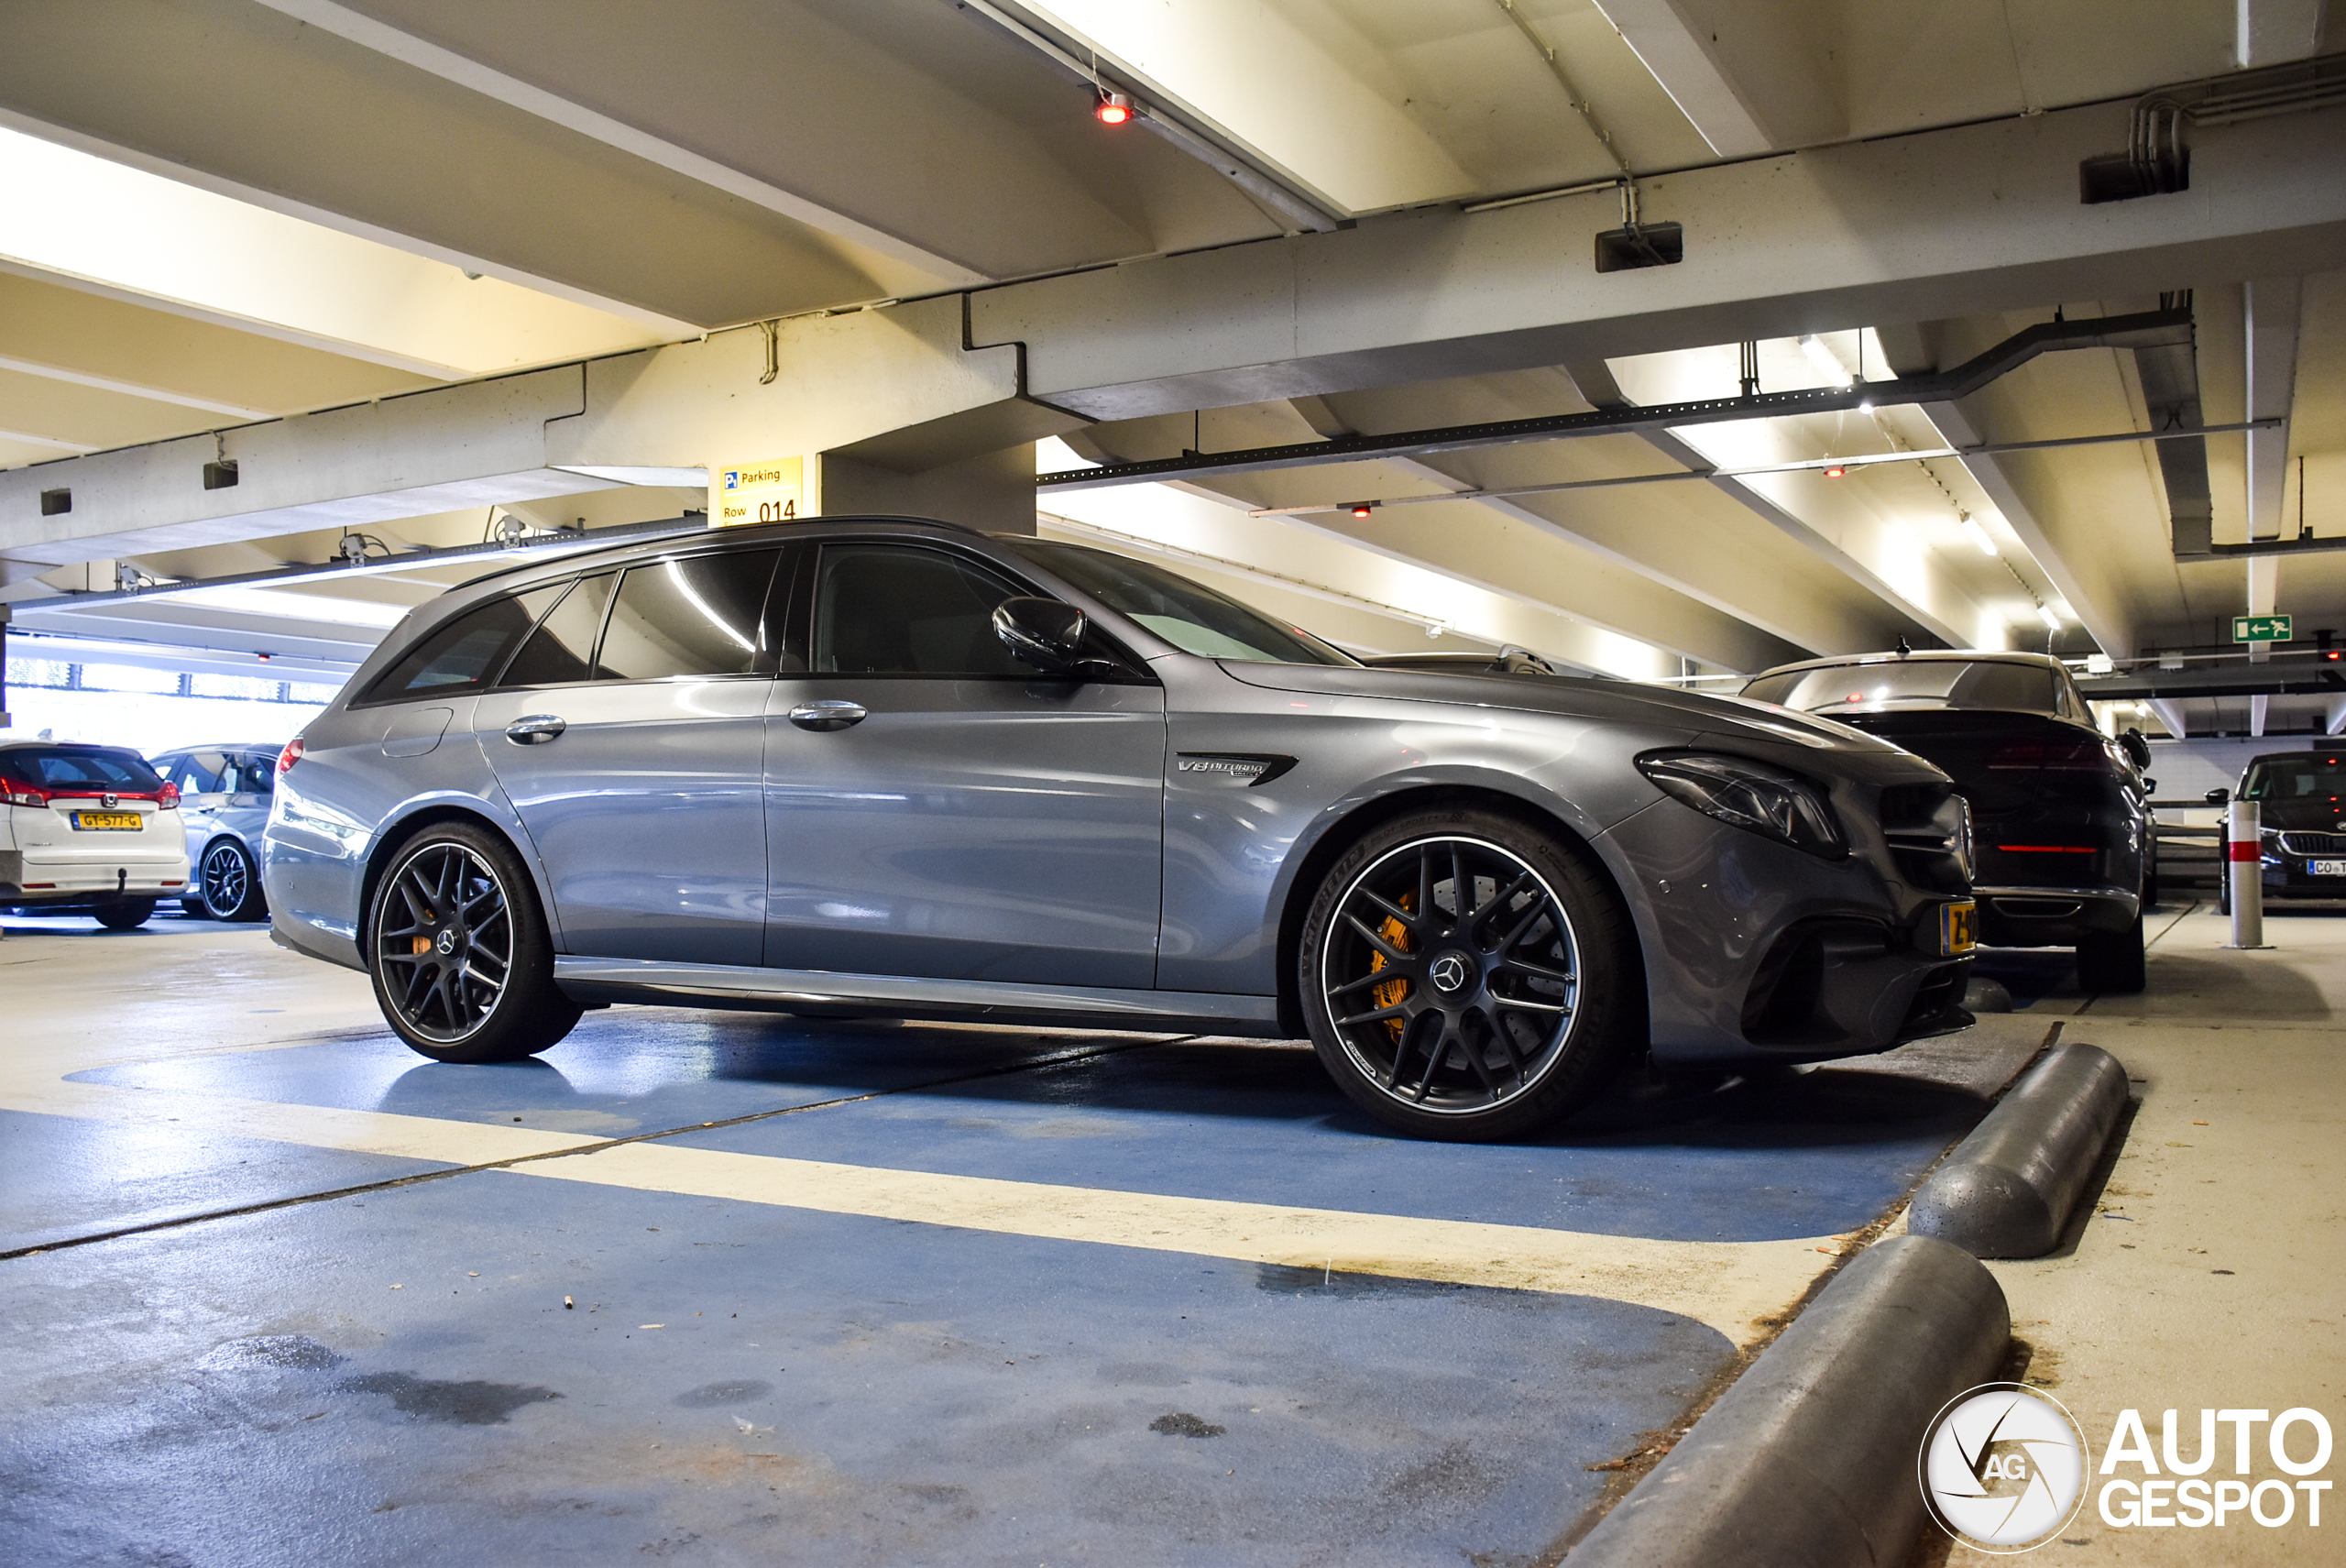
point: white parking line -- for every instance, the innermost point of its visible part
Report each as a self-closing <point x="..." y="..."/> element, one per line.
<point x="1726" y="1285"/>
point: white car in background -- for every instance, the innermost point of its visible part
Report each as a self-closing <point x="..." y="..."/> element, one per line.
<point x="87" y="829"/>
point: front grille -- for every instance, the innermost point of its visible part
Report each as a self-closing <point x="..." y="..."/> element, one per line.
<point x="1928" y="828"/>
<point x="2314" y="843"/>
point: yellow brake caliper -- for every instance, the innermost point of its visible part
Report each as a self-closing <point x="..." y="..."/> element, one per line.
<point x="1390" y="993"/>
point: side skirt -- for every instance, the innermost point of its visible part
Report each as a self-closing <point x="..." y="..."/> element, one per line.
<point x="819" y="992"/>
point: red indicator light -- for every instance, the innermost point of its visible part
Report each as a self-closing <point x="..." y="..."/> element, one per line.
<point x="1362" y="509"/>
<point x="1113" y="109"/>
<point x="1834" y="472"/>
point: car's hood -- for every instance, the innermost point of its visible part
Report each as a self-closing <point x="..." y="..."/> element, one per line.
<point x="1608" y="701"/>
<point x="2306" y="814"/>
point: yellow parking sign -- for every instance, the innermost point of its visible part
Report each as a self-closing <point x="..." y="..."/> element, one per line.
<point x="758" y="492"/>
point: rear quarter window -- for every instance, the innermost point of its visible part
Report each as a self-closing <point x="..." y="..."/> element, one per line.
<point x="466" y="654"/>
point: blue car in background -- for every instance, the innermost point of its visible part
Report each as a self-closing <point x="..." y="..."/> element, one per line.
<point x="224" y="793"/>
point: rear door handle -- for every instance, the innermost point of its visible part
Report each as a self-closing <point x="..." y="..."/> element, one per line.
<point x="827" y="713"/>
<point x="534" y="731"/>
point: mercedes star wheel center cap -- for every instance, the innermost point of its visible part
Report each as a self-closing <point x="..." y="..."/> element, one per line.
<point x="446" y="942"/>
<point x="1448" y="972"/>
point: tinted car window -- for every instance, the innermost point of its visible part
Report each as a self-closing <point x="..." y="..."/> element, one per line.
<point x="561" y="648"/>
<point x="199" y="773"/>
<point x="1914" y="683"/>
<point x="62" y="767"/>
<point x="464" y="654"/>
<point x="703" y="616"/>
<point x="892" y="609"/>
<point x="250" y="772"/>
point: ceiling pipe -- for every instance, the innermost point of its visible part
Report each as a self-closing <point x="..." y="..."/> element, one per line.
<point x="2143" y="329"/>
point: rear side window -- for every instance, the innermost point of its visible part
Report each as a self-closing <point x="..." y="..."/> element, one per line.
<point x="702" y="616"/>
<point x="561" y="649"/>
<point x="464" y="654"/>
<point x="119" y="773"/>
<point x="893" y="610"/>
<point x="196" y="773"/>
<point x="250" y="772"/>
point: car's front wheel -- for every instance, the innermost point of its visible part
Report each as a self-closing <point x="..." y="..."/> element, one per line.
<point x="227" y="882"/>
<point x="1466" y="976"/>
<point x="458" y="949"/>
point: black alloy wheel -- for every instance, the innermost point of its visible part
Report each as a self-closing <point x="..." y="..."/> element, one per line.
<point x="459" y="951"/>
<point x="228" y="884"/>
<point x="1467" y="976"/>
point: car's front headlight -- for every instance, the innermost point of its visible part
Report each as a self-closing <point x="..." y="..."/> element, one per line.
<point x="1750" y="795"/>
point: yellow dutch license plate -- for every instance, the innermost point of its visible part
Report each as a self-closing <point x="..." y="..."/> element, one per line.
<point x="1958" y="930"/>
<point x="106" y="821"/>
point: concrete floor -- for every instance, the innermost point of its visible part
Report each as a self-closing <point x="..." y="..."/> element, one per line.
<point x="898" y="1293"/>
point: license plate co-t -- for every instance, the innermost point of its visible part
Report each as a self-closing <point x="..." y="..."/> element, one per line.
<point x="2326" y="868"/>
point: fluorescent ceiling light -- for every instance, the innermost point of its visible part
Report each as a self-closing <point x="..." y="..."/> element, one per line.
<point x="83" y="217"/>
<point x="2051" y="621"/>
<point x="1827" y="362"/>
<point x="1979" y="535"/>
<point x="286" y="606"/>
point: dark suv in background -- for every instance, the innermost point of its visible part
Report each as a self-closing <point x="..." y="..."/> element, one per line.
<point x="2061" y="812"/>
<point x="2301" y="808"/>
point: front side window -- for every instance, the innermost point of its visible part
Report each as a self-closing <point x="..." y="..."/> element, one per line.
<point x="896" y="610"/>
<point x="1191" y="616"/>
<point x="252" y="772"/>
<point x="464" y="654"/>
<point x="558" y="652"/>
<point x="701" y="616"/>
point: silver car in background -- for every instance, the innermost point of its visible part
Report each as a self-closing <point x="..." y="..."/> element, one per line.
<point x="890" y="766"/>
<point x="224" y="793"/>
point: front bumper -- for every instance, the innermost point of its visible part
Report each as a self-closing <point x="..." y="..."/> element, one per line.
<point x="1757" y="952"/>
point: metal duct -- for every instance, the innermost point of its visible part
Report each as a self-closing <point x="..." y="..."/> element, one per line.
<point x="2157" y="162"/>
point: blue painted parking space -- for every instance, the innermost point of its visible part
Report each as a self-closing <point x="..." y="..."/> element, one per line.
<point x="399" y="1372"/>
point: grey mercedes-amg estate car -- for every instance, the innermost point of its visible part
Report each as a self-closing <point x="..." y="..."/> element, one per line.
<point x="887" y="766"/>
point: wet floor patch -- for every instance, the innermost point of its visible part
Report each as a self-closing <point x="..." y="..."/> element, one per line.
<point x="471" y="1403"/>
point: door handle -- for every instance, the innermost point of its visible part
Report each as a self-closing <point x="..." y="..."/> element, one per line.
<point x="534" y="731"/>
<point x="827" y="713"/>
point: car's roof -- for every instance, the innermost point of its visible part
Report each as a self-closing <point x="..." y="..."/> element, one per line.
<point x="2297" y="756"/>
<point x="220" y="746"/>
<point x="24" y="742"/>
<point x="619" y="552"/>
<point x="1932" y="656"/>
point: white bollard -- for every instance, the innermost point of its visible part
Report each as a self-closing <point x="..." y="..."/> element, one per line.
<point x="2244" y="864"/>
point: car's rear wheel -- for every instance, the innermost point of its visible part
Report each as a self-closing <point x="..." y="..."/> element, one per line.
<point x="1468" y="977"/>
<point x="228" y="884"/>
<point x="458" y="949"/>
<point x="124" y="914"/>
<point x="2113" y="962"/>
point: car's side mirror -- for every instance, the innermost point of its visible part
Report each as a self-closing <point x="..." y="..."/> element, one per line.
<point x="2150" y="785"/>
<point x="1042" y="632"/>
<point x="2220" y="798"/>
<point x="2137" y="749"/>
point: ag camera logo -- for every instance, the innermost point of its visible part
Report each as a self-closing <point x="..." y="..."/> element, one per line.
<point x="2003" y="1467"/>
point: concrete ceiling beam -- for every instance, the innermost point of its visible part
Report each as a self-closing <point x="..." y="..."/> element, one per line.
<point x="1747" y="73"/>
<point x="658" y="415"/>
<point x="1958" y="222"/>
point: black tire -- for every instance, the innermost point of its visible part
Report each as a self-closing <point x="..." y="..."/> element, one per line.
<point x="2112" y="962"/>
<point x="1498" y="1020"/>
<point x="459" y="951"/>
<point x="227" y="882"/>
<point x="2223" y="888"/>
<point x="123" y="914"/>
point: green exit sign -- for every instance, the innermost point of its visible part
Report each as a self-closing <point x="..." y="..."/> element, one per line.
<point x="2260" y="629"/>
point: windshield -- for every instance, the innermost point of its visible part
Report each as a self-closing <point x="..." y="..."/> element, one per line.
<point x="2315" y="776"/>
<point x="1888" y="687"/>
<point x="1192" y="618"/>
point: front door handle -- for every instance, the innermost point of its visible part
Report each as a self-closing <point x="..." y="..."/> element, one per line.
<point x="534" y="731"/>
<point x="827" y="713"/>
